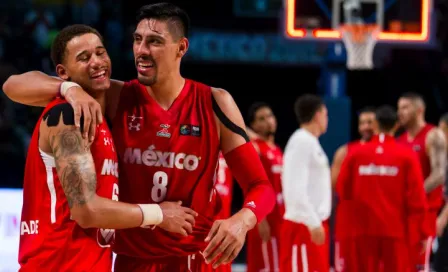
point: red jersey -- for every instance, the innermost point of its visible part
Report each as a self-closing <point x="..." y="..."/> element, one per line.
<point x="343" y="214"/>
<point x="272" y="159"/>
<point x="49" y="239"/>
<point x="167" y="155"/>
<point x="418" y="144"/>
<point x="224" y="187"/>
<point x="384" y="181"/>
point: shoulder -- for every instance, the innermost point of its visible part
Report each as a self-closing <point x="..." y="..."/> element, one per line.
<point x="435" y="136"/>
<point x="221" y="96"/>
<point x="301" y="139"/>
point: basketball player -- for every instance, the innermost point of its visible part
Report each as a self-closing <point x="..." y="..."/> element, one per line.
<point x="430" y="144"/>
<point x="71" y="203"/>
<point x="169" y="130"/>
<point x="307" y="192"/>
<point x="384" y="182"/>
<point x="263" y="243"/>
<point x="342" y="218"/>
<point x="440" y="260"/>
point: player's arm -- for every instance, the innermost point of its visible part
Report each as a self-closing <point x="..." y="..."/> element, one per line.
<point x="415" y="200"/>
<point x="38" y="89"/>
<point x="76" y="171"/>
<point x="436" y="147"/>
<point x="227" y="236"/>
<point x="344" y="184"/>
<point x="338" y="158"/>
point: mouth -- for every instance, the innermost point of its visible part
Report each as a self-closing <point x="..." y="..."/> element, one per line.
<point x="144" y="67"/>
<point x="100" y="75"/>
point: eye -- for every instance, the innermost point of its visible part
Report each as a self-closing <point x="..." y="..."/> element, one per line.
<point x="155" y="41"/>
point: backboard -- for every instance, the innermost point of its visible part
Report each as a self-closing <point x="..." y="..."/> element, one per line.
<point x="399" y="21"/>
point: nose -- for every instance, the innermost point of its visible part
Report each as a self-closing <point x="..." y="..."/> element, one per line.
<point x="142" y="49"/>
<point x="95" y="61"/>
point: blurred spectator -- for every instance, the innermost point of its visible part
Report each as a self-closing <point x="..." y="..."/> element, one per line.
<point x="91" y="13"/>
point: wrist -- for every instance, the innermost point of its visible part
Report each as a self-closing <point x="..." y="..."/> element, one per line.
<point x="152" y="214"/>
<point x="65" y="86"/>
<point x="248" y="217"/>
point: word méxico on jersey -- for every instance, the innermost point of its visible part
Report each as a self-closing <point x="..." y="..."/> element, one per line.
<point x="152" y="157"/>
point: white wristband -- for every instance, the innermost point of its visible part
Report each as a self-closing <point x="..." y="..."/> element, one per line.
<point x="67" y="85"/>
<point x="152" y="214"/>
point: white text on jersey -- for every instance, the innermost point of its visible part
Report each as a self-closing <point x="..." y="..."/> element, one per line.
<point x="29" y="227"/>
<point x="110" y="167"/>
<point x="377" y="170"/>
<point x="152" y="157"/>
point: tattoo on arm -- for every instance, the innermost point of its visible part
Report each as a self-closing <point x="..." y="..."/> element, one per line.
<point x="74" y="165"/>
<point x="437" y="151"/>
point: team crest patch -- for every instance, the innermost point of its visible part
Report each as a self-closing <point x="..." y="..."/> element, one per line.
<point x="196" y="131"/>
<point x="185" y="130"/>
<point x="164" y="131"/>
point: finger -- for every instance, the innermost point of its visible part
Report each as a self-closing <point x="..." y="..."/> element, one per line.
<point x="99" y="115"/>
<point x="92" y="129"/>
<point x="224" y="257"/>
<point x="222" y="242"/>
<point x="77" y="109"/>
<point x="215" y="241"/>
<point x="87" y="119"/>
<point x="234" y="254"/>
<point x="183" y="232"/>
<point x="188" y="227"/>
<point x="190" y="219"/>
<point x="213" y="231"/>
<point x="190" y="211"/>
<point x="179" y="203"/>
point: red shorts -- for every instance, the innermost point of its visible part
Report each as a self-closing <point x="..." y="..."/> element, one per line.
<point x="341" y="249"/>
<point x="262" y="256"/>
<point x="192" y="263"/>
<point x="419" y="256"/>
<point x="375" y="254"/>
<point x="298" y="253"/>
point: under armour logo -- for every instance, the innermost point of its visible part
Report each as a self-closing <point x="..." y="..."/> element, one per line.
<point x="136" y="127"/>
<point x="103" y="131"/>
<point x="106" y="141"/>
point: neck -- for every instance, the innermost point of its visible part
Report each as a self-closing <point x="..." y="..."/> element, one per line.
<point x="416" y="127"/>
<point x="387" y="133"/>
<point x="101" y="99"/>
<point x="165" y="92"/>
<point x="269" y="139"/>
<point x="312" y="128"/>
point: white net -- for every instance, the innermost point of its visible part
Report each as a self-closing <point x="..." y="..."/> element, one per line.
<point x="359" y="41"/>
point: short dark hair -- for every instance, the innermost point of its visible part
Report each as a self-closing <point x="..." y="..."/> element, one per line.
<point x="177" y="18"/>
<point x="444" y="118"/>
<point x="306" y="107"/>
<point x="386" y="116"/>
<point x="368" y="109"/>
<point x="253" y="110"/>
<point x="64" y="36"/>
<point x="414" y="97"/>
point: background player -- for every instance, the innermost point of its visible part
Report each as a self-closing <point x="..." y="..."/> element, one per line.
<point x="307" y="192"/>
<point x="342" y="218"/>
<point x="67" y="178"/>
<point x="263" y="243"/>
<point x="440" y="260"/>
<point x="149" y="113"/>
<point x="430" y="145"/>
<point x="384" y="182"/>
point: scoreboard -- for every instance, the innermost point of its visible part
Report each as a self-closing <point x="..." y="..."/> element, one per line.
<point x="257" y="8"/>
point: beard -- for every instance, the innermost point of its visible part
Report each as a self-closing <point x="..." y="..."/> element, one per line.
<point x="147" y="81"/>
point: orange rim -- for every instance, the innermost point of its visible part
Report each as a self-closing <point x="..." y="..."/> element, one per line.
<point x="359" y="32"/>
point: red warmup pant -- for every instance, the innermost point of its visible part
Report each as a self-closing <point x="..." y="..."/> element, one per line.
<point x="298" y="253"/>
<point x="375" y="254"/>
<point x="262" y="256"/>
<point x="419" y="256"/>
<point x="192" y="263"/>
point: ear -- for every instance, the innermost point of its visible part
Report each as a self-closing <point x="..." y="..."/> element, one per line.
<point x="61" y="71"/>
<point x="183" y="47"/>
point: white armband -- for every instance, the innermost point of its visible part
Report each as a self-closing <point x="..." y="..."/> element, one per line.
<point x="67" y="85"/>
<point x="152" y="214"/>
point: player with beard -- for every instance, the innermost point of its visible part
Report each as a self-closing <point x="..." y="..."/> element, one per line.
<point x="70" y="204"/>
<point x="342" y="218"/>
<point x="169" y="131"/>
<point x="430" y="144"/>
<point x="263" y="243"/>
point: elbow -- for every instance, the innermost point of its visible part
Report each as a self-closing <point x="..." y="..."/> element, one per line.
<point x="84" y="216"/>
<point x="7" y="88"/>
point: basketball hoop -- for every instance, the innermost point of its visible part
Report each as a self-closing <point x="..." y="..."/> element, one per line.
<point x="359" y="41"/>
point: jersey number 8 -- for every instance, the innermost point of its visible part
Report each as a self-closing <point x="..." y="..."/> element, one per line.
<point x="160" y="181"/>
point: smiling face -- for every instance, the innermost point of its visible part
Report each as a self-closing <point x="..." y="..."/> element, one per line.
<point x="87" y="63"/>
<point x="157" y="50"/>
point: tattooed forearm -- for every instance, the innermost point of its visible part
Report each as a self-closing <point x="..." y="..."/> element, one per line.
<point x="437" y="150"/>
<point x="75" y="166"/>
